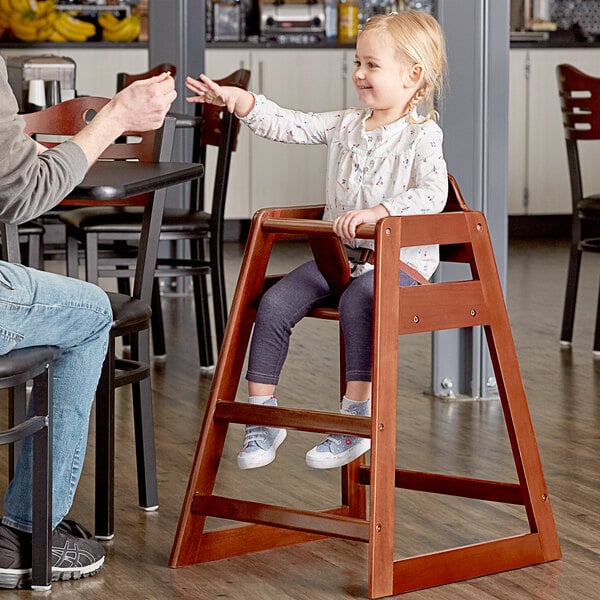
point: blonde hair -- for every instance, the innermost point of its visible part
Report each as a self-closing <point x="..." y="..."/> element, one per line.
<point x="417" y="38"/>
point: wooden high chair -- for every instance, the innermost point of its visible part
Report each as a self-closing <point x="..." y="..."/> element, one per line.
<point x="463" y="237"/>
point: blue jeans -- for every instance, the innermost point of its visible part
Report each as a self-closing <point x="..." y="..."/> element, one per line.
<point x="39" y="308"/>
<point x="291" y="299"/>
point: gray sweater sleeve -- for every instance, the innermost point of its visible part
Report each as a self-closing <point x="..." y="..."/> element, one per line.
<point x="31" y="184"/>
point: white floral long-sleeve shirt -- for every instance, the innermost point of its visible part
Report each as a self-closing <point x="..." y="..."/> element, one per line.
<point x="400" y="165"/>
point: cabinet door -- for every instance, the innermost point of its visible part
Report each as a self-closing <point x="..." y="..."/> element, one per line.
<point x="517" y="133"/>
<point x="220" y="63"/>
<point x="307" y="80"/>
<point x="548" y="174"/>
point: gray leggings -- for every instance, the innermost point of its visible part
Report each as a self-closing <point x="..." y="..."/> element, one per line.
<point x="291" y="299"/>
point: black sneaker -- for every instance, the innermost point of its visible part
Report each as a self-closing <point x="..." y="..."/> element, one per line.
<point x="72" y="557"/>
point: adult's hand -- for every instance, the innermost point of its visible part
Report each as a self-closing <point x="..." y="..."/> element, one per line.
<point x="141" y="106"/>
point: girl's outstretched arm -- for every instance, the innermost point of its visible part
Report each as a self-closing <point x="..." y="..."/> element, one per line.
<point x="235" y="99"/>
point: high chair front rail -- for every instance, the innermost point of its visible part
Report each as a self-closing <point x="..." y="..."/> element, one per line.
<point x="463" y="237"/>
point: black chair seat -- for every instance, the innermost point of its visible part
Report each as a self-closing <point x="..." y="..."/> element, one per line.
<point x="590" y="206"/>
<point x="128" y="312"/>
<point x="21" y="361"/>
<point x="120" y="219"/>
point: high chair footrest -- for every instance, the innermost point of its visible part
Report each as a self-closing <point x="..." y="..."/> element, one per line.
<point x="291" y="418"/>
<point x="327" y="523"/>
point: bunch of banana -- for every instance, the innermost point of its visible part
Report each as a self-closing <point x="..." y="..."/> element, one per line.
<point x="29" y="20"/>
<point x="8" y="7"/>
<point x="119" y="30"/>
<point x="70" y="29"/>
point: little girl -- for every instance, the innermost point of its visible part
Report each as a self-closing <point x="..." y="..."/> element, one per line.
<point x="383" y="160"/>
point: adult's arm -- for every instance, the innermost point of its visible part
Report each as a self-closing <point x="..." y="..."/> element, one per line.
<point x="32" y="183"/>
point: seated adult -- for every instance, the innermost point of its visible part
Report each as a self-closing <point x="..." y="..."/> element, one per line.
<point x="39" y="308"/>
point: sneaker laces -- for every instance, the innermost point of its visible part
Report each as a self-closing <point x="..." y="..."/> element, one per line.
<point x="254" y="435"/>
<point x="332" y="438"/>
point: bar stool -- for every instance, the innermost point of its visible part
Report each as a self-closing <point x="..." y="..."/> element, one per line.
<point x="16" y="369"/>
<point x="580" y="105"/>
<point x="463" y="237"/>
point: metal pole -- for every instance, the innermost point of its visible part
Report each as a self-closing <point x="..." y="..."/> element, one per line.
<point x="474" y="117"/>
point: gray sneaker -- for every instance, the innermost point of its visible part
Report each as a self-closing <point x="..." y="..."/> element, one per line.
<point x="260" y="446"/>
<point x="72" y="557"/>
<point x="260" y="442"/>
<point x="338" y="450"/>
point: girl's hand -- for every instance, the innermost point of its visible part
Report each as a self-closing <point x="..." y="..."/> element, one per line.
<point x="235" y="99"/>
<point x="345" y="225"/>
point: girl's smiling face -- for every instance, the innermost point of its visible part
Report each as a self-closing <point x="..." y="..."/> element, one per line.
<point x="383" y="80"/>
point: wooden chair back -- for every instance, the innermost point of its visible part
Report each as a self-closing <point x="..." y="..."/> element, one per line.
<point x="56" y="123"/>
<point x="125" y="79"/>
<point x="579" y="102"/>
<point x="580" y="105"/>
<point x="71" y="116"/>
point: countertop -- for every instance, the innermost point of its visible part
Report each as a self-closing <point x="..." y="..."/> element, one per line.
<point x="553" y="39"/>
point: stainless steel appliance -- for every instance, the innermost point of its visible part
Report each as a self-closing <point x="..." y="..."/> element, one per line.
<point x="228" y="20"/>
<point x="292" y="23"/>
<point x="47" y="67"/>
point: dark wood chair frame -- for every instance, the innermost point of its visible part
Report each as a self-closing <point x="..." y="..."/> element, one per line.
<point x="463" y="237"/>
<point x="580" y="106"/>
<point x="131" y="313"/>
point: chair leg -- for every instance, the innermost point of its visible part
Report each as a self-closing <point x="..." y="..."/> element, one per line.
<point x="158" y="328"/>
<point x="72" y="256"/>
<point x="35" y="253"/>
<point x="91" y="258"/>
<point x="41" y="531"/>
<point x="105" y="448"/>
<point x="17" y="409"/>
<point x="124" y="287"/>
<point x="205" y="350"/>
<point x="219" y="292"/>
<point x="203" y="327"/>
<point x="571" y="295"/>
<point x="144" y="427"/>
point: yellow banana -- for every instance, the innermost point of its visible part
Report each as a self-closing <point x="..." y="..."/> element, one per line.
<point x="108" y="21"/>
<point x="72" y="29"/>
<point x="45" y="7"/>
<point x="56" y="37"/>
<point x="5" y="12"/>
<point x="127" y="31"/>
<point x="6" y="7"/>
<point x="43" y="33"/>
<point x="24" y="29"/>
<point x="20" y="6"/>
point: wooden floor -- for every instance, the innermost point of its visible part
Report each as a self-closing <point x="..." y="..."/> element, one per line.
<point x="461" y="437"/>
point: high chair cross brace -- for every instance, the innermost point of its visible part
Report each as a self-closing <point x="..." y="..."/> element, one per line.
<point x="463" y="237"/>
